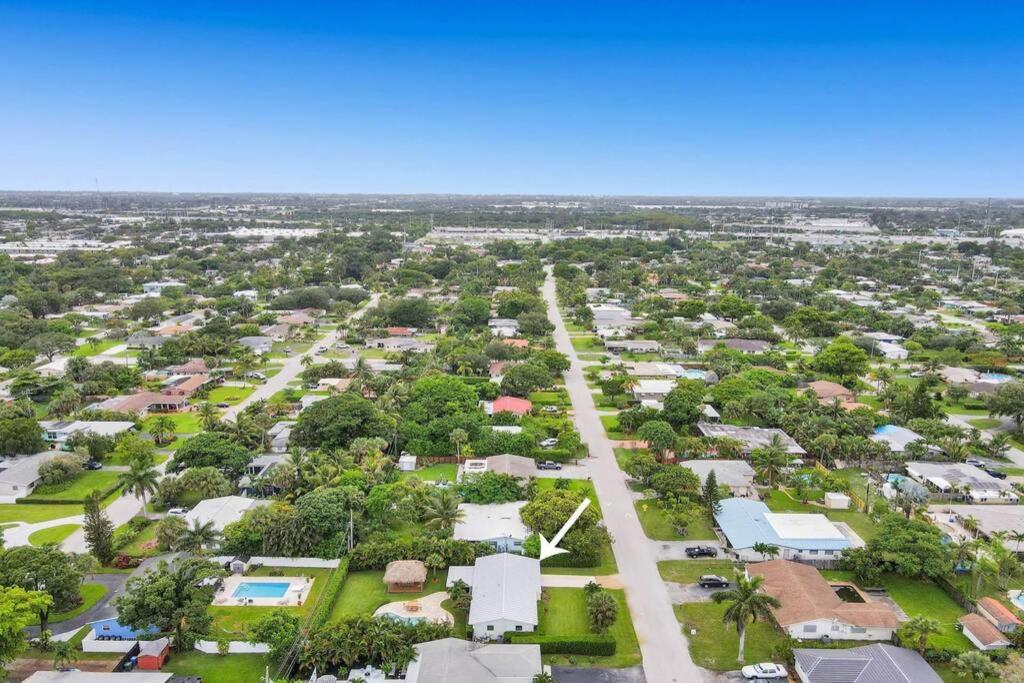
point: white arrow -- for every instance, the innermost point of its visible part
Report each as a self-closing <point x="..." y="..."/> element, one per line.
<point x="548" y="549"/>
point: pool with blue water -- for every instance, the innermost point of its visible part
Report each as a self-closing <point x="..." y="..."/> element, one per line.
<point x="261" y="589"/>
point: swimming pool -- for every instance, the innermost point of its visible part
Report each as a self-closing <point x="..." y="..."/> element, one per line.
<point x="694" y="373"/>
<point x="995" y="377"/>
<point x="261" y="589"/>
<point x="1018" y="600"/>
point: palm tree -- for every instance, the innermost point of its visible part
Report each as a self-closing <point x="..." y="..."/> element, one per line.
<point x="458" y="437"/>
<point x="208" y="416"/>
<point x="140" y="480"/>
<point x="442" y="511"/>
<point x="306" y="360"/>
<point x="64" y="654"/>
<point x="198" y="537"/>
<point x="918" y="630"/>
<point x="770" y="460"/>
<point x="766" y="549"/>
<point x="998" y="445"/>
<point x="747" y="604"/>
<point x="162" y="427"/>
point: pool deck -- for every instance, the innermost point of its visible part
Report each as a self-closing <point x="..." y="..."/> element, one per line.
<point x="297" y="593"/>
<point x="429" y="608"/>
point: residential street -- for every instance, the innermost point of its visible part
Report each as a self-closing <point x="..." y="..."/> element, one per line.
<point x="666" y="657"/>
<point x="292" y="366"/>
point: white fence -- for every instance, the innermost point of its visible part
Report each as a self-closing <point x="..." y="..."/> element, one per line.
<point x="235" y="647"/>
<point x="91" y="644"/>
<point x="294" y="562"/>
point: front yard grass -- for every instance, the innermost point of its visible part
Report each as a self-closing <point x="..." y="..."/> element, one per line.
<point x="79" y="489"/>
<point x="611" y="427"/>
<point x="563" y="612"/>
<point x="14" y="512"/>
<point x="657" y="525"/>
<point x="184" y="423"/>
<point x="922" y="597"/>
<point x="690" y="571"/>
<point x="234" y="622"/>
<point x="229" y="395"/>
<point x="137" y="548"/>
<point x="53" y="534"/>
<point x="91" y="593"/>
<point x="985" y="423"/>
<point x="363" y="592"/>
<point x="88" y="349"/>
<point x="715" y="644"/>
<point x="588" y="343"/>
<point x="606" y="565"/>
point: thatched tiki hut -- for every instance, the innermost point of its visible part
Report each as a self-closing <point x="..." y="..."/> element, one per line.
<point x="405" y="576"/>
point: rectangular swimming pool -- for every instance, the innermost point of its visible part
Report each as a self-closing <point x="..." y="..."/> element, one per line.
<point x="261" y="589"/>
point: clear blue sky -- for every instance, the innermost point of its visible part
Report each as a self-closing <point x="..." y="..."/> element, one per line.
<point x="717" y="97"/>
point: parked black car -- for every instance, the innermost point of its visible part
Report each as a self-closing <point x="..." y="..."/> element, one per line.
<point x="702" y="551"/>
<point x="712" y="581"/>
<point x="93" y="465"/>
<point x="998" y="474"/>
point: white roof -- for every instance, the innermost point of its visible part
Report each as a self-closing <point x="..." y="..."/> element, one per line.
<point x="484" y="522"/>
<point x="945" y="474"/>
<point x="222" y="511"/>
<point x="728" y="472"/>
<point x="88" y="427"/>
<point x="453" y="660"/>
<point x="654" y="386"/>
<point x="802" y="526"/>
<point x="505" y="586"/>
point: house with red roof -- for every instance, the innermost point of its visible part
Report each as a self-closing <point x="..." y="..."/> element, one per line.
<point x="998" y="614"/>
<point x="508" y="404"/>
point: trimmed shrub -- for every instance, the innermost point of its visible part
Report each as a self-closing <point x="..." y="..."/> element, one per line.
<point x="592" y="645"/>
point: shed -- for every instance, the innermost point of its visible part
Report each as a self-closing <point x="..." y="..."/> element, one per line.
<point x="153" y="654"/>
<point x="998" y="615"/>
<point x="837" y="501"/>
<point x="405" y="576"/>
<point x="406" y="462"/>
<point x="984" y="635"/>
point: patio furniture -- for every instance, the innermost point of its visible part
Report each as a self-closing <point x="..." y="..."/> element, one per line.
<point x="412" y="606"/>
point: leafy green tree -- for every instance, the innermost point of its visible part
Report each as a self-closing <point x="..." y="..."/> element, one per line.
<point x="470" y="312"/>
<point x="684" y="403"/>
<point x="1008" y="401"/>
<point x="172" y="598"/>
<point x="710" y="495"/>
<point x="18" y="609"/>
<point x="336" y="421"/>
<point x="45" y="569"/>
<point x="746" y="604"/>
<point x="277" y="628"/>
<point x="659" y="435"/>
<point x="64" y="654"/>
<point x="550" y="509"/>
<point x="766" y="550"/>
<point x="20" y="435"/>
<point x="975" y="666"/>
<point x="520" y="380"/>
<point x="918" y="630"/>
<point x="325" y="512"/>
<point x="210" y="449"/>
<point x="770" y="461"/>
<point x="909" y="547"/>
<point x="442" y="511"/>
<point x="602" y="611"/>
<point x="461" y="595"/>
<point x="140" y="480"/>
<point x="169" y="530"/>
<point x="99" y="530"/>
<point x="841" y="358"/>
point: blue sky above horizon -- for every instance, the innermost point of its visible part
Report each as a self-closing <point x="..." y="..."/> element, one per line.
<point x="724" y="98"/>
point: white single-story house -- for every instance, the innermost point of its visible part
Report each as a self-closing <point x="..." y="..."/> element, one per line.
<point x="221" y="511"/>
<point x="157" y="287"/>
<point x="499" y="525"/>
<point x="503" y="327"/>
<point x="958" y="477"/>
<point x="738" y="475"/>
<point x="453" y="660"/>
<point x="505" y="590"/>
<point x="982" y="633"/>
<point x="811" y="609"/>
<point x="751" y="437"/>
<point x="257" y="344"/>
<point x="58" y="432"/>
<point x="19" y="475"/>
<point x="797" y="535"/>
<point x="876" y="663"/>
<point x="653" y="389"/>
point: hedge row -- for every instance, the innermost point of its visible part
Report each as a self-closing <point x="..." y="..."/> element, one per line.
<point x="327" y="598"/>
<point x="42" y="500"/>
<point x="593" y="645"/>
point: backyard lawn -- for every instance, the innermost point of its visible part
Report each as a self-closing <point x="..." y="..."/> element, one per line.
<point x="234" y="621"/>
<point x="658" y="527"/>
<point x="184" y="423"/>
<point x="217" y="669"/>
<point x="363" y="592"/>
<point x="137" y="548"/>
<point x="690" y="571"/>
<point x="563" y="611"/>
<point x="434" y="473"/>
<point x="460" y="627"/>
<point x="230" y="395"/>
<point x="715" y="644"/>
<point x="79" y="489"/>
<point x="917" y="596"/>
<point x="53" y="534"/>
<point x="13" y="512"/>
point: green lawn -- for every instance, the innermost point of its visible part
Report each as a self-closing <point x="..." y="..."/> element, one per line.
<point x="606" y="565"/>
<point x="136" y="548"/>
<point x="582" y="486"/>
<point x="563" y="611"/>
<point x="778" y="501"/>
<point x="217" y="669"/>
<point x="91" y="594"/>
<point x="985" y="423"/>
<point x="363" y="592"/>
<point x="13" y="512"/>
<point x="611" y="427"/>
<point x="80" y="488"/>
<point x="460" y="627"/>
<point x="184" y="423"/>
<point x="715" y="644"/>
<point x="53" y="534"/>
<point x="689" y="571"/>
<point x="234" y="621"/>
<point x="88" y="349"/>
<point x="658" y="527"/>
<point x="551" y="398"/>
<point x="917" y="596"/>
<point x="230" y="395"/>
<point x="587" y="344"/>
<point x="433" y="473"/>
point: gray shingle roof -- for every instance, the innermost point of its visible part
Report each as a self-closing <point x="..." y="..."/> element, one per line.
<point x="878" y="663"/>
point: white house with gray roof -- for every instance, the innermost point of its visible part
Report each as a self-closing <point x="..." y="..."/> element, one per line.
<point x="878" y="663"/>
<point x="499" y="525"/>
<point x="452" y="660"/>
<point x="18" y="476"/>
<point x="505" y="590"/>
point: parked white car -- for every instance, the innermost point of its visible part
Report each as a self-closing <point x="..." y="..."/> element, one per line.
<point x="764" y="671"/>
<point x="549" y="443"/>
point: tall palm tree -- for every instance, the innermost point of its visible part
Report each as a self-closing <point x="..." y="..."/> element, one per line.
<point x="198" y="537"/>
<point x="918" y="630"/>
<point x="747" y="604"/>
<point x="442" y="511"/>
<point x="770" y="460"/>
<point x="140" y="480"/>
<point x="162" y="427"/>
<point x="208" y="416"/>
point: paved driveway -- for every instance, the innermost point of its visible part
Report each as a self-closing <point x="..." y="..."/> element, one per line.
<point x="676" y="550"/>
<point x="564" y="674"/>
<point x="666" y="656"/>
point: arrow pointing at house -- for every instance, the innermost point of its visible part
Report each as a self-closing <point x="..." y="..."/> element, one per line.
<point x="549" y="548"/>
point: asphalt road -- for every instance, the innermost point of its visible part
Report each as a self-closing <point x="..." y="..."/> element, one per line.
<point x="666" y="656"/>
<point x="292" y="366"/>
